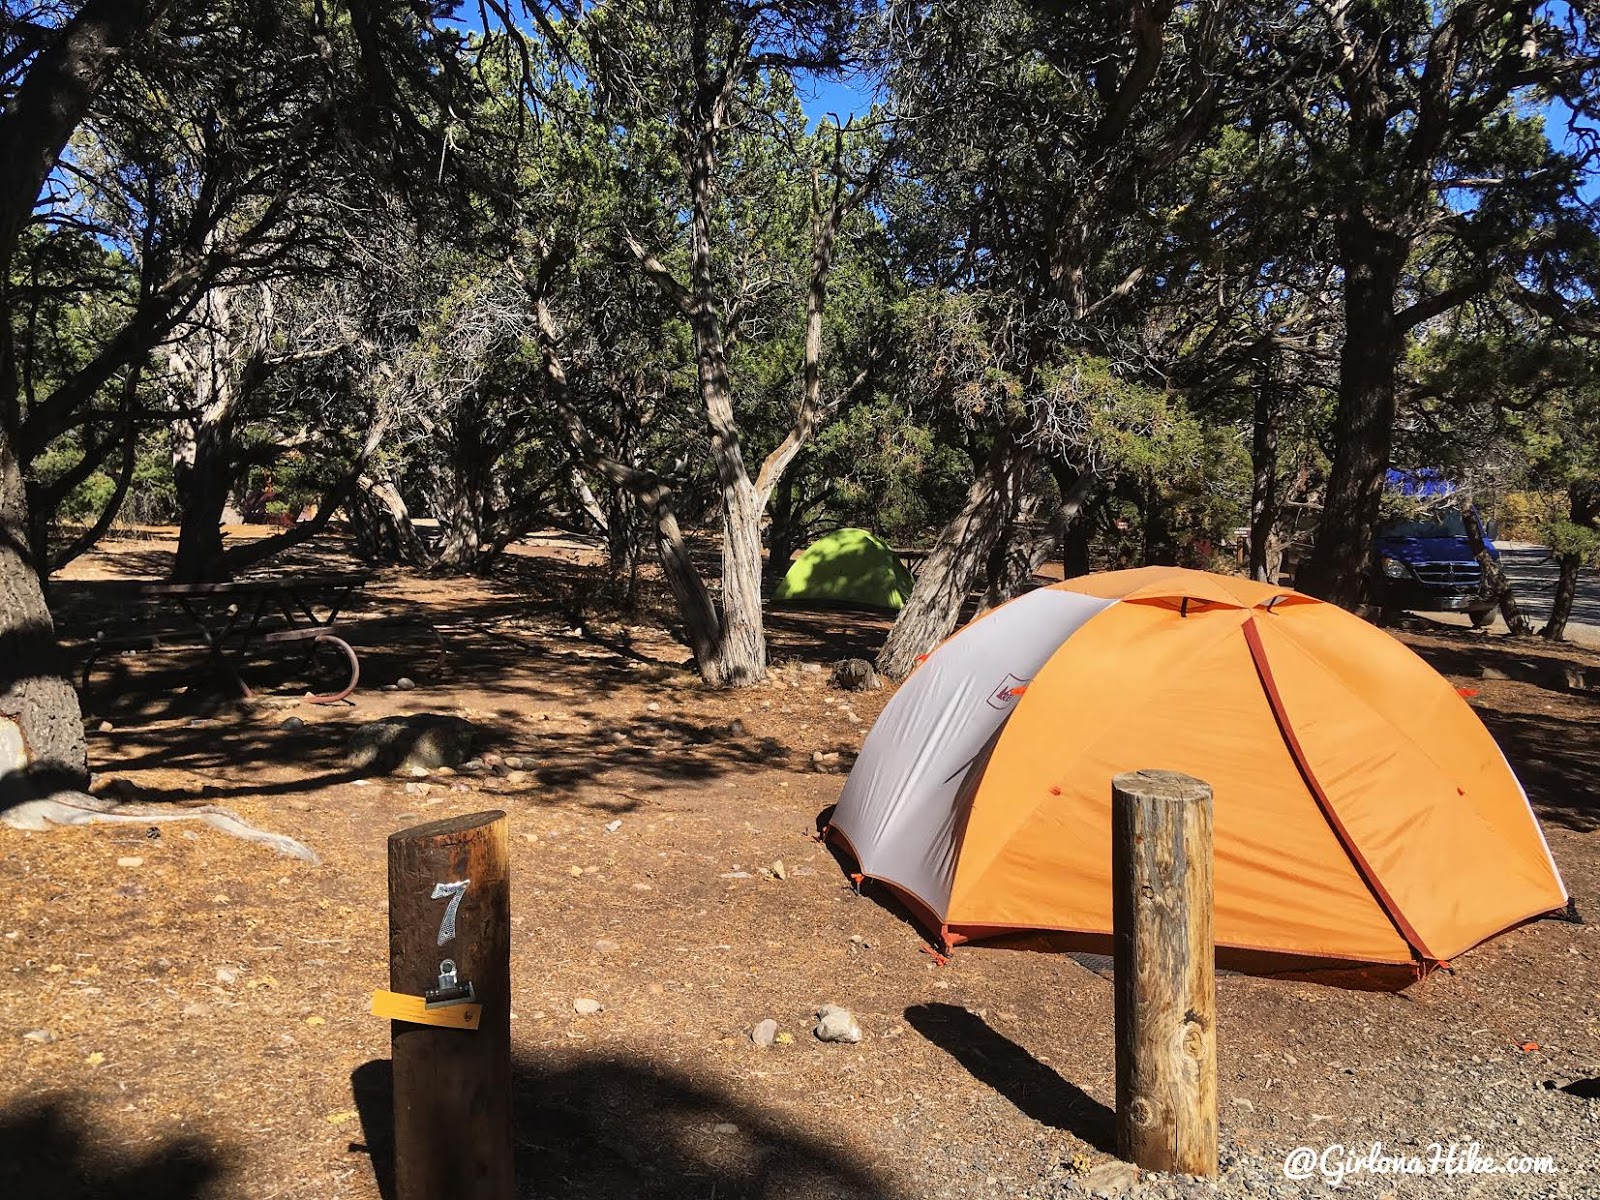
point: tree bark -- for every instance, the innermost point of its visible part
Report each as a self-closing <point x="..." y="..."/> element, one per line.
<point x="1013" y="566"/>
<point x="203" y="464"/>
<point x="1493" y="575"/>
<point x="464" y="543"/>
<point x="381" y="522"/>
<point x="1364" y="426"/>
<point x="956" y="564"/>
<point x="1555" y="629"/>
<point x="37" y="701"/>
<point x="742" y="650"/>
<point x="1583" y="508"/>
<point x="1263" y="478"/>
<point x="204" y="478"/>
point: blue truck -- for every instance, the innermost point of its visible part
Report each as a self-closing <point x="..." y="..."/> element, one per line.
<point x="1423" y="561"/>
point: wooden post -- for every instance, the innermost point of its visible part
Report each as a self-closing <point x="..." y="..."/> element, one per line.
<point x="1165" y="972"/>
<point x="449" y="897"/>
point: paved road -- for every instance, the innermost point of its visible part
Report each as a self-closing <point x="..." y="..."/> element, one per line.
<point x="1533" y="572"/>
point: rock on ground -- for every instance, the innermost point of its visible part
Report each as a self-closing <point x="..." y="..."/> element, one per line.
<point x="835" y="1024"/>
<point x="424" y="740"/>
<point x="765" y="1033"/>
<point x="854" y="675"/>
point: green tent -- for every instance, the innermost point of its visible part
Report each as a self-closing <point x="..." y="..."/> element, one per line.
<point x="848" y="566"/>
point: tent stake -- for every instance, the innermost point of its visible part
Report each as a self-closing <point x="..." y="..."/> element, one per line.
<point x="1161" y="882"/>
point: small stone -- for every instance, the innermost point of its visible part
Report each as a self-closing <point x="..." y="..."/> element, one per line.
<point x="811" y="668"/>
<point x="131" y="860"/>
<point x="585" y="1007"/>
<point x="405" y="684"/>
<point x="492" y="760"/>
<point x="195" y="1009"/>
<point x="292" y="723"/>
<point x="575" y="871"/>
<point x="1111" y="1178"/>
<point x="106" y="726"/>
<point x="606" y="946"/>
<point x="854" y="675"/>
<point x="43" y="1036"/>
<point x="514" y="761"/>
<point x="613" y="826"/>
<point x="736" y="728"/>
<point x="779" y="871"/>
<point x="617" y="736"/>
<point x="304" y="805"/>
<point x="516" y="777"/>
<point x="835" y="1024"/>
<point x="419" y="772"/>
<point x="227" y="975"/>
<point x="473" y="765"/>
<point x="765" y="1033"/>
<point x="725" y="1127"/>
<point x="652" y="707"/>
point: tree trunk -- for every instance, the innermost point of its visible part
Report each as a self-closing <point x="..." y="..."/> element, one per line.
<point x="42" y="748"/>
<point x="461" y="515"/>
<point x="1493" y="576"/>
<point x="381" y="522"/>
<point x="743" y="657"/>
<point x="702" y="626"/>
<point x="1263" y="479"/>
<point x="1364" y="426"/>
<point x="956" y="563"/>
<point x="1075" y="550"/>
<point x="742" y="648"/>
<point x="1583" y="508"/>
<point x="202" y="456"/>
<point x="1021" y="562"/>
<point x="1555" y="629"/>
<point x="204" y="477"/>
<point x="781" y="531"/>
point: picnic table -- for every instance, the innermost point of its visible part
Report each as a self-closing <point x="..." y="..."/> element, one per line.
<point x="232" y="618"/>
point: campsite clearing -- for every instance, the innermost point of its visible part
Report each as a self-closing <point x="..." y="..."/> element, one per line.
<point x="206" y="1004"/>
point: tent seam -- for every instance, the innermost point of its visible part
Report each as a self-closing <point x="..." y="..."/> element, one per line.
<point x="1391" y="909"/>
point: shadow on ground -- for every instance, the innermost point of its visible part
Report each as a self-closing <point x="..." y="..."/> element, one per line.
<point x="48" y="1150"/>
<point x="1033" y="1087"/>
<point x="634" y="1130"/>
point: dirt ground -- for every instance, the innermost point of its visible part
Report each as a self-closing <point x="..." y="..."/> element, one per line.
<point x="206" y="1008"/>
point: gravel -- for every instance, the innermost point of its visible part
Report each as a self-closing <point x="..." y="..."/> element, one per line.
<point x="1482" y="1112"/>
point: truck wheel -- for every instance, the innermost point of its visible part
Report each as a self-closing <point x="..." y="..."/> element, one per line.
<point x="1484" y="619"/>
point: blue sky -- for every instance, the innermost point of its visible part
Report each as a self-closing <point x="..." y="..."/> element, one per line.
<point x="819" y="97"/>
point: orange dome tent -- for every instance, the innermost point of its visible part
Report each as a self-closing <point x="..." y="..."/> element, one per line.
<point x="1362" y="811"/>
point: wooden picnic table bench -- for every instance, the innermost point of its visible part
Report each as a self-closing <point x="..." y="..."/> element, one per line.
<point x="232" y="617"/>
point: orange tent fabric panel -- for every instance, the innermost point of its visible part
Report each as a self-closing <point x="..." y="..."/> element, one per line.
<point x="1413" y="776"/>
<point x="1141" y="686"/>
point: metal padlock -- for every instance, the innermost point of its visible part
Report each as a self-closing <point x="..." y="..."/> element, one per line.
<point x="449" y="991"/>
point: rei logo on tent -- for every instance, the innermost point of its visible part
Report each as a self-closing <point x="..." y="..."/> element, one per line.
<point x="1007" y="692"/>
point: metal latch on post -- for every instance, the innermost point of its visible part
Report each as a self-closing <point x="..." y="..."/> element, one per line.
<point x="450" y="1005"/>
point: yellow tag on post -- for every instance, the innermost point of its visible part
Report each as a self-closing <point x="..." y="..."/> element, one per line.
<point x="397" y="1006"/>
